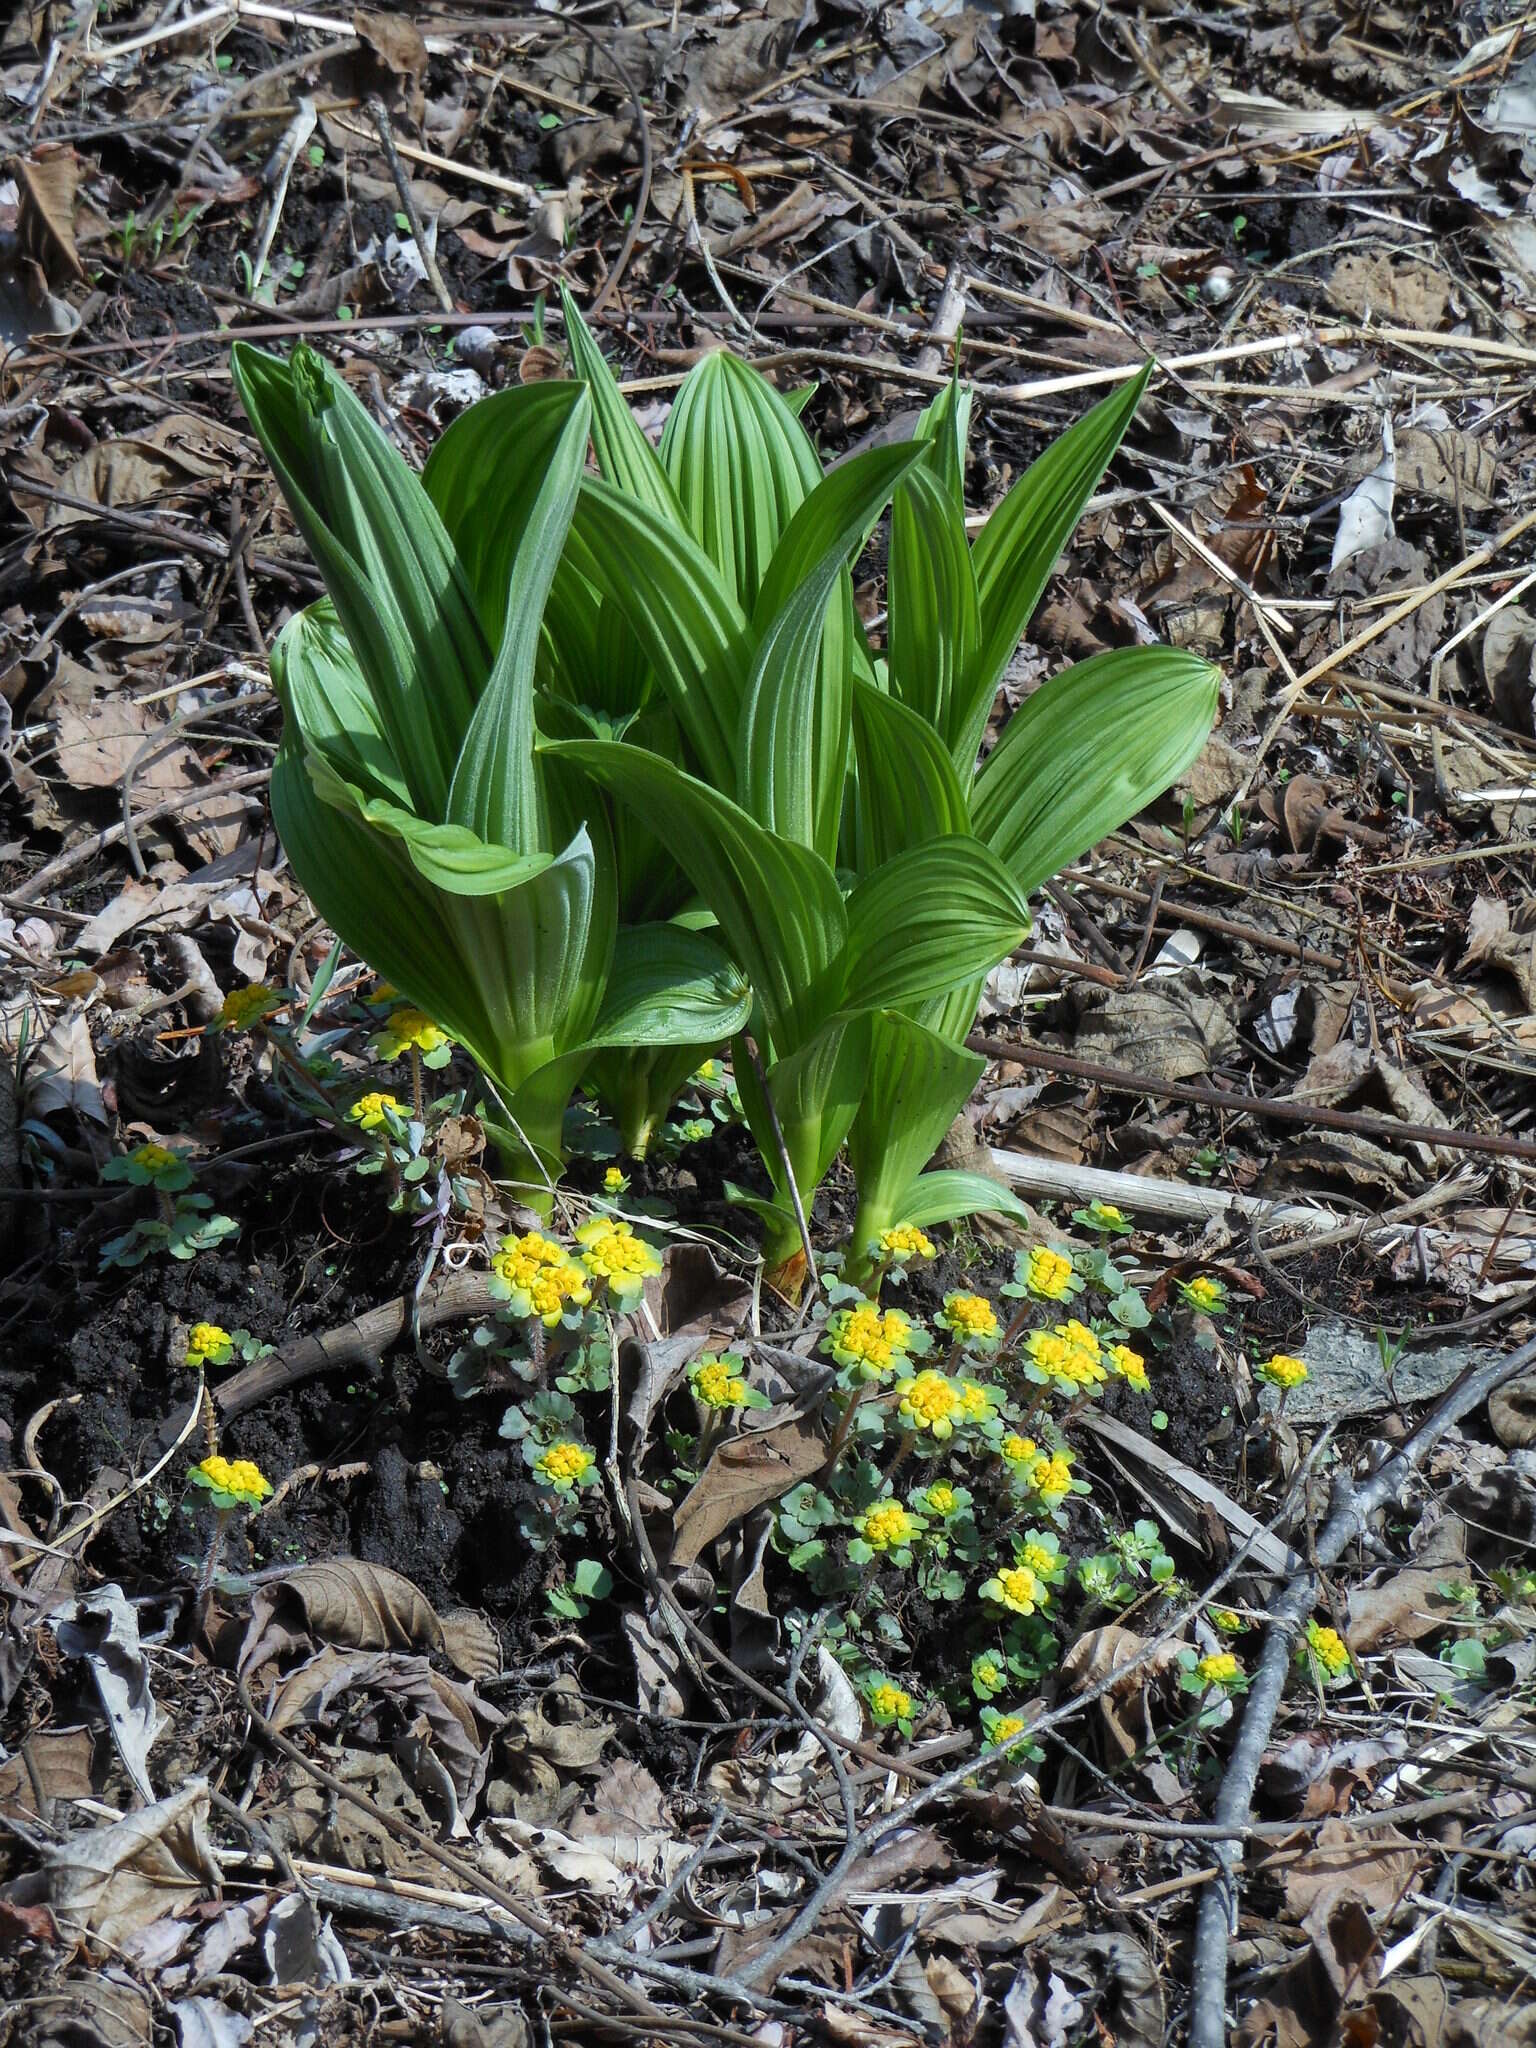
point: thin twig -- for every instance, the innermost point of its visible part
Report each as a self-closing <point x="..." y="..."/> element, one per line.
<point x="378" y="113"/>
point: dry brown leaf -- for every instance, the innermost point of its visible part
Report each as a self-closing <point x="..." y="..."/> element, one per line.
<point x="341" y="1600"/>
<point x="1500" y="937"/>
<point x="1166" y="1033"/>
<point x="743" y="1473"/>
<point x="396" y="42"/>
<point x="1413" y="1602"/>
<point x="1512" y="1413"/>
<point x="1439" y="462"/>
<point x="1373" y="1865"/>
<point x="62" y="1073"/>
<point x="1300" y="2008"/>
<point x="62" y="1759"/>
<point x="1509" y="667"/>
<point x="117" y="1879"/>
<point x="1404" y="292"/>
<point x="471" y="1644"/>
<point x="1099" y="1654"/>
<point x="45" y="219"/>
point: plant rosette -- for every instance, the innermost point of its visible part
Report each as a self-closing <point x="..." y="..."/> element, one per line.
<point x="972" y="1321"/>
<point x="613" y="1254"/>
<point x="1219" y="1672"/>
<point x="719" y="1384"/>
<point x="903" y="1245"/>
<point x="1128" y="1365"/>
<point x="869" y="1342"/>
<point x="539" y="1281"/>
<point x="1066" y="1359"/>
<point x="885" y="1531"/>
<point x="564" y="1466"/>
<point x="940" y="1502"/>
<point x="378" y="1110"/>
<point x="1043" y="1273"/>
<point x="231" y="1484"/>
<point x="1008" y="1735"/>
<point x="1105" y="1218"/>
<point x="1204" y="1293"/>
<point x="989" y="1674"/>
<point x="151" y="1166"/>
<point x="890" y="1706"/>
<point x="1282" y="1372"/>
<point x="550" y="1434"/>
<point x="209" y="1344"/>
<point x="410" y="1030"/>
<point x="1045" y="1473"/>
<point x="1326" y="1655"/>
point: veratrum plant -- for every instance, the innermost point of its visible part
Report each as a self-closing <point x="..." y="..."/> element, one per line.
<point x="476" y="875"/>
<point x="828" y="807"/>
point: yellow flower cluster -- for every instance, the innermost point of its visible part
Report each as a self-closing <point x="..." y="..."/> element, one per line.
<point x="1228" y="1620"/>
<point x="611" y="1251"/>
<point x="154" y="1158"/>
<point x="1204" y="1293"/>
<point x="542" y="1275"/>
<point x="1130" y="1366"/>
<point x="1329" y="1648"/>
<point x="615" y="1180"/>
<point x="1283" y="1372"/>
<point x="931" y="1402"/>
<point x="976" y="1401"/>
<point x="887" y="1526"/>
<point x="1005" y="1728"/>
<point x="1106" y="1212"/>
<point x="940" y="1498"/>
<point x="408" y="1030"/>
<point x="564" y="1464"/>
<point x="1018" y="1589"/>
<point x="716" y="1385"/>
<point x="208" y="1344"/>
<point x="368" y="1110"/>
<point x="970" y="1316"/>
<point x="1039" y="1560"/>
<point x="1218" y="1669"/>
<point x="243" y="1007"/>
<point x="868" y="1339"/>
<point x="905" y="1241"/>
<point x="1049" y="1275"/>
<point x="890" y="1703"/>
<point x="1048" y="1473"/>
<point x="241" y="1479"/>
<point x="1068" y="1361"/>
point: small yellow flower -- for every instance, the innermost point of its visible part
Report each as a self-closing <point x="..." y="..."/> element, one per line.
<point x="1019" y="1450"/>
<point x="1106" y="1212"/>
<point x="867" y="1340"/>
<point x="940" y="1498"/>
<point x="1079" y="1336"/>
<point x="208" y="1344"/>
<point x="976" y="1401"/>
<point x="615" y="1181"/>
<point x="1018" y="1589"/>
<point x="988" y="1674"/>
<point x="971" y="1317"/>
<point x="1006" y="1728"/>
<point x="887" y="1526"/>
<point x="1040" y="1560"/>
<point x="1051" y="1478"/>
<point x="1283" y="1372"/>
<point x="611" y="1251"/>
<point x="1218" y="1669"/>
<point x="542" y="1278"/>
<point x="408" y="1030"/>
<point x="716" y="1385"/>
<point x="368" y="1110"/>
<point x="1130" y="1366"/>
<point x="706" y="1073"/>
<point x="890" y="1703"/>
<point x="1329" y="1648"/>
<point x="242" y="1481"/>
<point x="1228" y="1620"/>
<point x="905" y="1241"/>
<point x="243" y="1007"/>
<point x="1049" y="1275"/>
<point x="564" y="1464"/>
<point x="1204" y="1293"/>
<point x="154" y="1158"/>
<point x="930" y="1402"/>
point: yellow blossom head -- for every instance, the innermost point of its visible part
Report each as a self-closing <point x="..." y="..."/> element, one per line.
<point x="611" y="1252"/>
<point x="1006" y="1728"/>
<point x="1041" y="1562"/>
<point x="1051" y="1478"/>
<point x="1018" y="1450"/>
<point x="564" y="1465"/>
<point x="1107" y="1214"/>
<point x="1329" y="1648"/>
<point x="369" y="1110"/>
<point x="1221" y="1668"/>
<point x="1079" y="1336"/>
<point x="1204" y="1293"/>
<point x="716" y="1385"/>
<point x="939" y="1499"/>
<point x="905" y="1241"/>
<point x="1130" y="1366"/>
<point x="1283" y="1372"/>
<point x="1228" y="1620"/>
<point x="971" y="1318"/>
<point x="243" y="1007"/>
<point x="1018" y="1589"/>
<point x="1049" y="1274"/>
<point x="976" y="1401"/>
<point x="233" y="1483"/>
<point x="930" y="1403"/>
<point x="209" y="1344"/>
<point x="887" y="1526"/>
<point x="615" y="1180"/>
<point x="868" y="1340"/>
<point x="889" y="1703"/>
<point x="408" y="1030"/>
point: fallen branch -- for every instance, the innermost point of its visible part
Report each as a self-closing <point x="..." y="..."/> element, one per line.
<point x="1350" y="1508"/>
<point x="1278" y="1109"/>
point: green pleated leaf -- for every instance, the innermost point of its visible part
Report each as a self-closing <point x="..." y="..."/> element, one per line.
<point x="935" y="619"/>
<point x="924" y="923"/>
<point x="1018" y="548"/>
<point x="322" y="689"/>
<point x="943" y="1197"/>
<point x="917" y="1084"/>
<point x="815" y="1093"/>
<point x="668" y="985"/>
<point x="792" y="757"/>
<point x="741" y="465"/>
<point x="625" y="457"/>
<point x="909" y="792"/>
<point x="944" y="428"/>
<point x="497" y="790"/>
<point x="692" y="631"/>
<point x="778" y="906"/>
<point x="388" y="564"/>
<point x="1087" y="751"/>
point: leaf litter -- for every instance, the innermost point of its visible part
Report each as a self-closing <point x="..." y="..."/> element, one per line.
<point x="1317" y="226"/>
